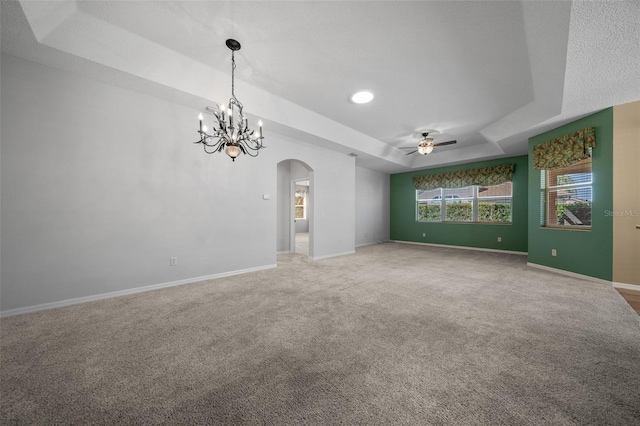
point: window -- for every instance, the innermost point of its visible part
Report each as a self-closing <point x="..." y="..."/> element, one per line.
<point x="566" y="195"/>
<point x="458" y="204"/>
<point x="476" y="203"/>
<point x="494" y="203"/>
<point x="301" y="204"/>
<point x="429" y="205"/>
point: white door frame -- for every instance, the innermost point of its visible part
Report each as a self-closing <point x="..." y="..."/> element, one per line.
<point x="292" y="214"/>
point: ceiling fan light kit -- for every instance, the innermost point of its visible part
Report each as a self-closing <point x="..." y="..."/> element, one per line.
<point x="232" y="134"/>
<point x="426" y="145"/>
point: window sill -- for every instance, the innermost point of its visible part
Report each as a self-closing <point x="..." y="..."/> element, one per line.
<point x="567" y="228"/>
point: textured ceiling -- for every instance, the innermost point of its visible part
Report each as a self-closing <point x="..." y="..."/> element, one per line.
<point x="488" y="74"/>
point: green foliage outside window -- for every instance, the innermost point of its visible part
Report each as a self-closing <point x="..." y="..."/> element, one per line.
<point x="582" y="211"/>
<point x="459" y="212"/>
<point x="494" y="212"/>
<point x="429" y="212"/>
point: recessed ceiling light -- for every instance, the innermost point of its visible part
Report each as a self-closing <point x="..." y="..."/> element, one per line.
<point x="362" y="97"/>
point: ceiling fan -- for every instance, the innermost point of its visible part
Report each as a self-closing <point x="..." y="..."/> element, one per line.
<point x="426" y="145"/>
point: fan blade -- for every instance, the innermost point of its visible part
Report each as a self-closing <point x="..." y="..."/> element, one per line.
<point x="409" y="153"/>
<point x="445" y="143"/>
<point x="406" y="147"/>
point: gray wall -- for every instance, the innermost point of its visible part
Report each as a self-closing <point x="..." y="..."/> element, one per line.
<point x="372" y="206"/>
<point x="284" y="207"/>
<point x="102" y="185"/>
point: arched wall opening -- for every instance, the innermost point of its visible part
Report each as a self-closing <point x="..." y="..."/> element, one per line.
<point x="295" y="214"/>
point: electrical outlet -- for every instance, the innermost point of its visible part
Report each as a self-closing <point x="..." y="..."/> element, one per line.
<point x="499" y="239"/>
<point x="424" y="234"/>
<point x="553" y="252"/>
<point x="173" y="261"/>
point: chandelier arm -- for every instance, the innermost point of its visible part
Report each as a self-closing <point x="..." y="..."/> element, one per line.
<point x="209" y="152"/>
<point x="203" y="138"/>
<point x="249" y="153"/>
<point x="215" y="146"/>
<point x="210" y="145"/>
<point x="257" y="147"/>
<point x="206" y="141"/>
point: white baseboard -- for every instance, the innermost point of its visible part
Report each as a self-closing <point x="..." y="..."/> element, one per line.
<point x="569" y="273"/>
<point x="327" y="256"/>
<point x="78" y="300"/>
<point x="625" y="286"/>
<point x="370" y="244"/>
<point x="523" y="253"/>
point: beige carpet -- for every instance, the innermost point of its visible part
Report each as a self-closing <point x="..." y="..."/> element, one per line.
<point x="394" y="334"/>
<point x="302" y="243"/>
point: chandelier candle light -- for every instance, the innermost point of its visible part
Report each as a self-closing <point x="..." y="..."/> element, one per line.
<point x="232" y="133"/>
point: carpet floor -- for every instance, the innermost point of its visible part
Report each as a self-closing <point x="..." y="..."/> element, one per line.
<point x="394" y="334"/>
<point x="302" y="243"/>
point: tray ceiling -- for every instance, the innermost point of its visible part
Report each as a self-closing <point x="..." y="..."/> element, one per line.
<point x="488" y="74"/>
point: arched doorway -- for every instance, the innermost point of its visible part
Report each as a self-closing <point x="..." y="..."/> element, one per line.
<point x="295" y="208"/>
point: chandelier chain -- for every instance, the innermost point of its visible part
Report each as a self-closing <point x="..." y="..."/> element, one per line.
<point x="233" y="72"/>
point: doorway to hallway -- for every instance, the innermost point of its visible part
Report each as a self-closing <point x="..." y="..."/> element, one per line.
<point x="295" y="223"/>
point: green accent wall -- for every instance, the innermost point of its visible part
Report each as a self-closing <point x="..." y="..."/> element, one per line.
<point x="583" y="252"/>
<point x="405" y="227"/>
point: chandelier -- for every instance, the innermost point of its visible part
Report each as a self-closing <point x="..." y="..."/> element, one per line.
<point x="231" y="131"/>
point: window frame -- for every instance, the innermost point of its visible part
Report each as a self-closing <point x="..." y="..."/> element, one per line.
<point x="475" y="202"/>
<point x="546" y="189"/>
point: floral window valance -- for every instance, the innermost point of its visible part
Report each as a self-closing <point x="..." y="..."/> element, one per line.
<point x="565" y="150"/>
<point x="485" y="176"/>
